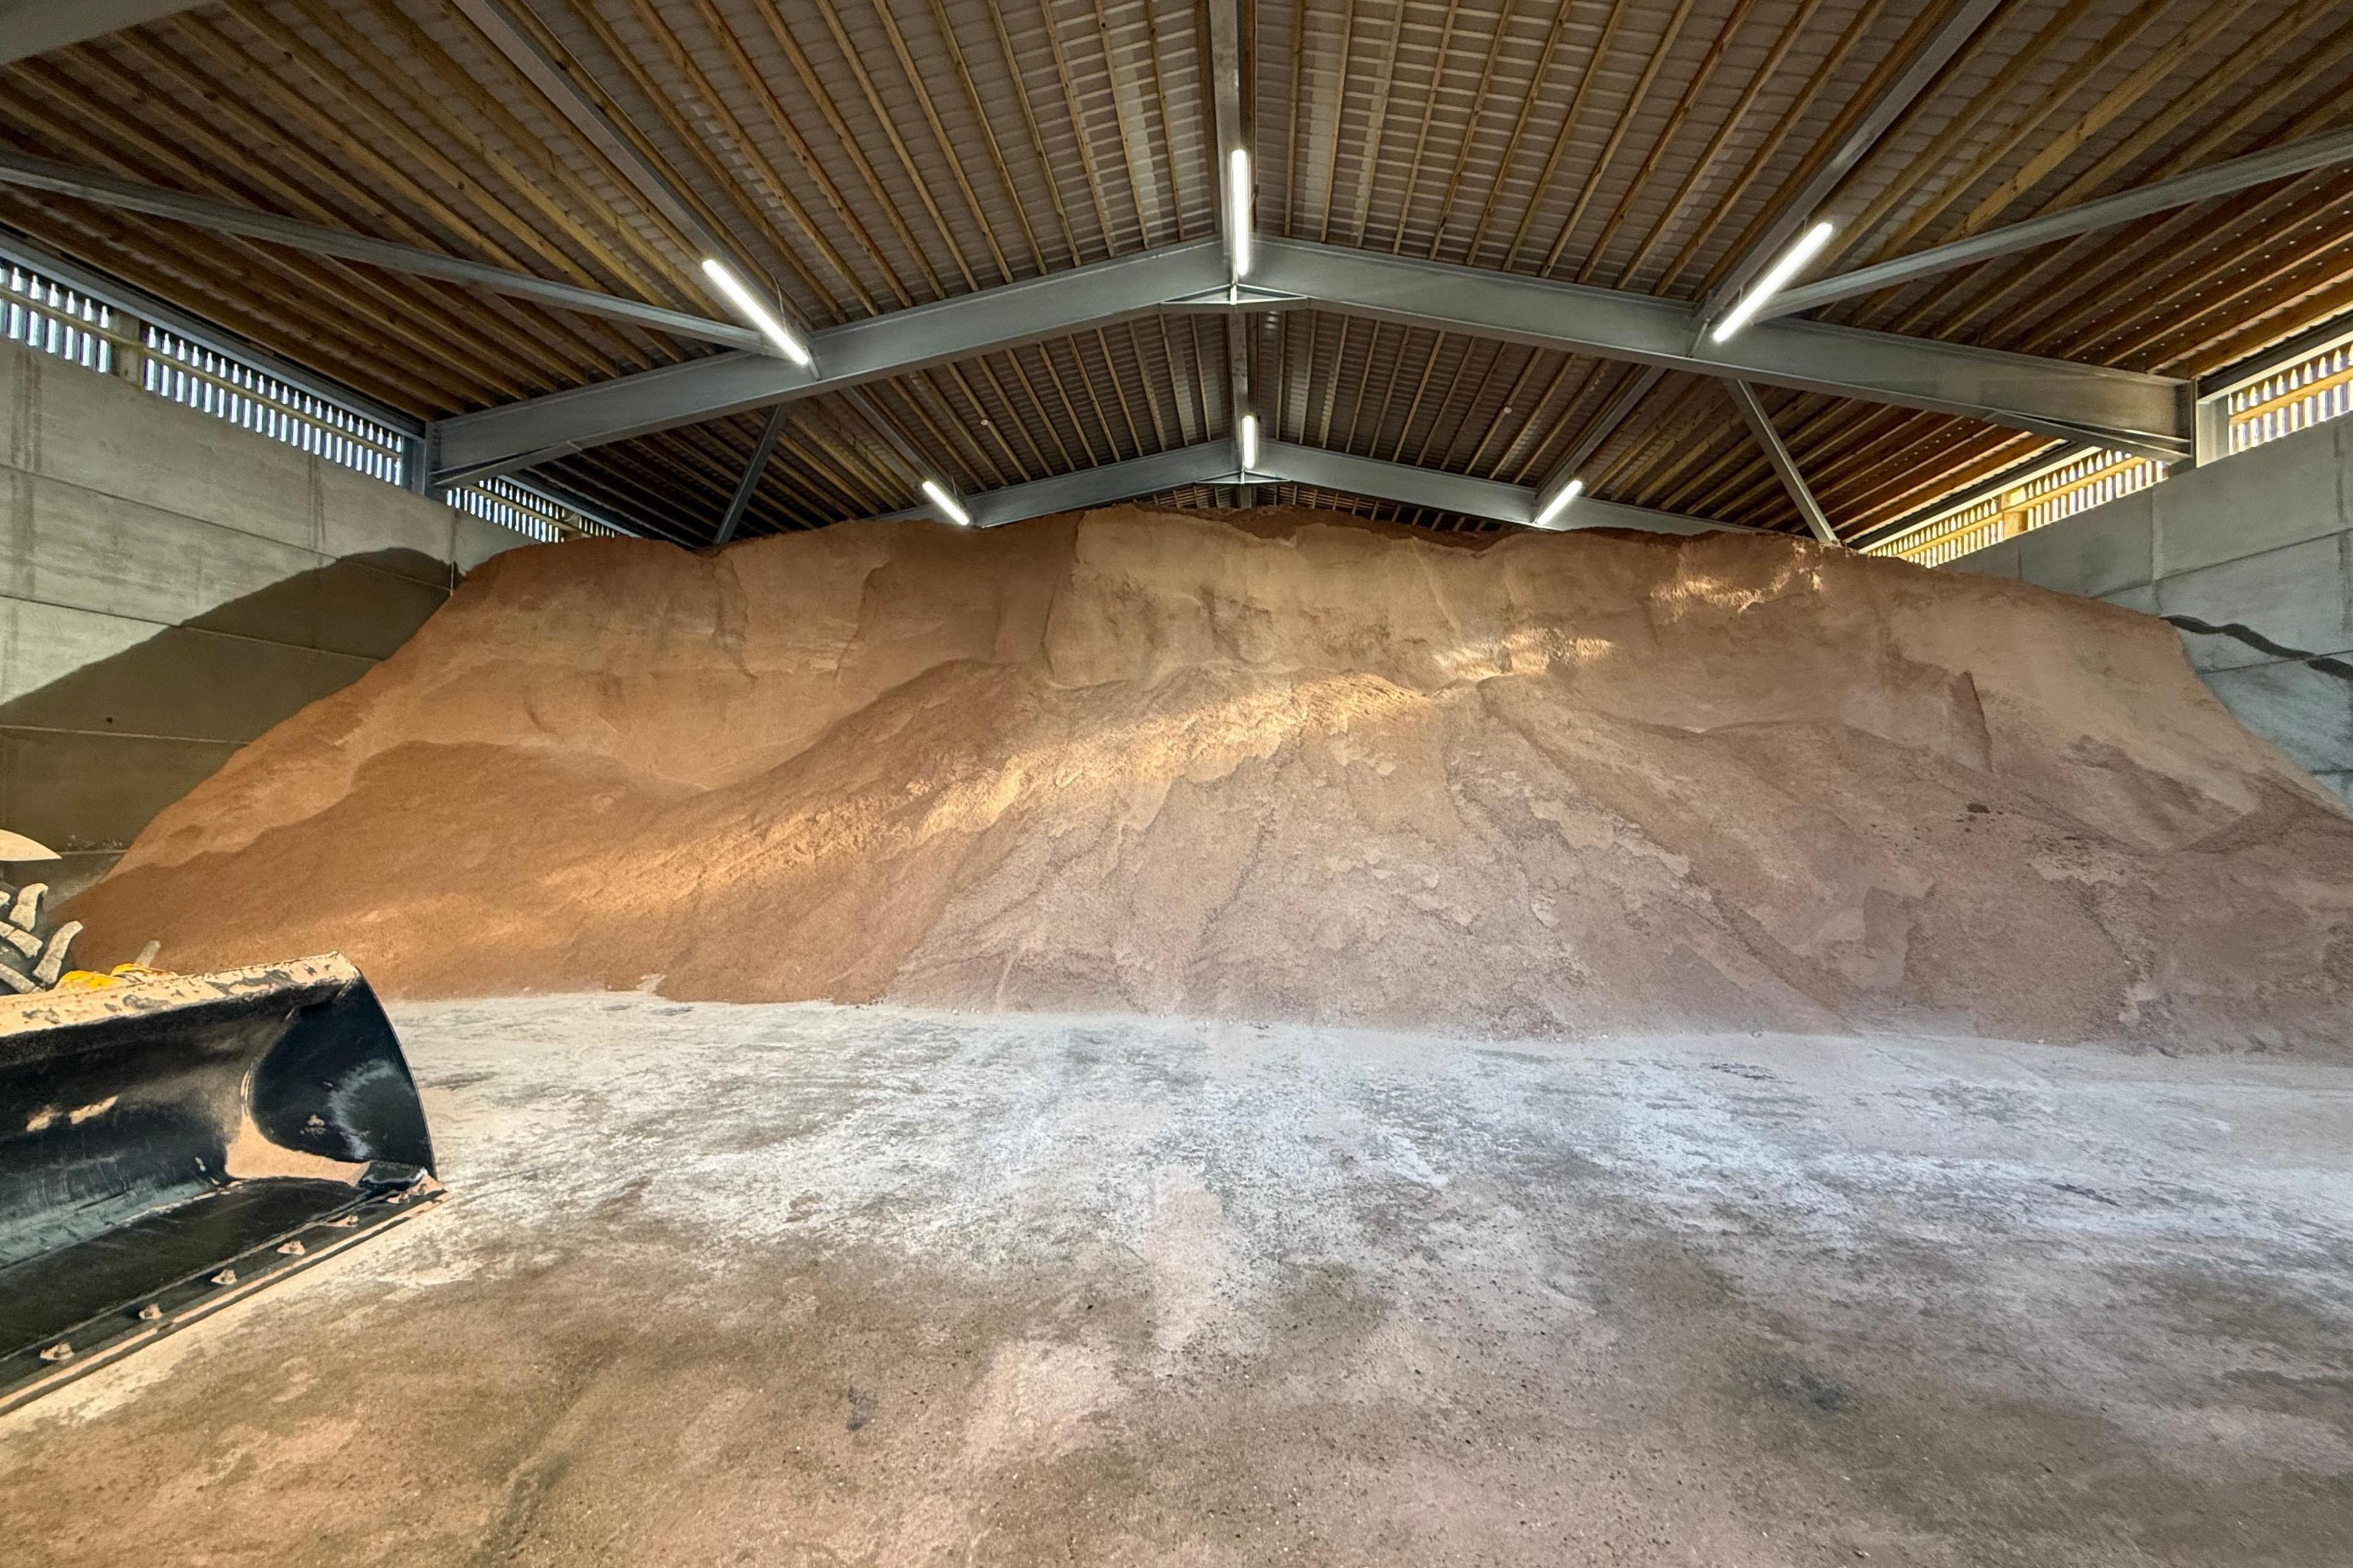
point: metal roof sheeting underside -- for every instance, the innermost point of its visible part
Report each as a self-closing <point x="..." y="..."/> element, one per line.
<point x="870" y="155"/>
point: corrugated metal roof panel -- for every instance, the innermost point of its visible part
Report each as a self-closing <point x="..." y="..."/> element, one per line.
<point x="867" y="154"/>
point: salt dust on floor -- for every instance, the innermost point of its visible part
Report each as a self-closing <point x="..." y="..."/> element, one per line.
<point x="806" y="1284"/>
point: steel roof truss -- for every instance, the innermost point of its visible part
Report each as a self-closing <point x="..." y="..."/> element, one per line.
<point x="1280" y="462"/>
<point x="515" y="435"/>
<point x="2120" y="409"/>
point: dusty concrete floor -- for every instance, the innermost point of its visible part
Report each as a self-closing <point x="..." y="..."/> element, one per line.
<point x="807" y="1285"/>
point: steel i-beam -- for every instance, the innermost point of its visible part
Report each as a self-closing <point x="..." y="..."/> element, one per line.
<point x="2121" y="409"/>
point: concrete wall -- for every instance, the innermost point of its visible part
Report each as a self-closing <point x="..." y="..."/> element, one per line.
<point x="171" y="587"/>
<point x="2251" y="559"/>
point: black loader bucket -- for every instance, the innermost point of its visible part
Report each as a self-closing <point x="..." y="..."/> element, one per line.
<point x="171" y="1145"/>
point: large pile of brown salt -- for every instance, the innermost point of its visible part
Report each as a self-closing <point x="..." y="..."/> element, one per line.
<point x="1149" y="761"/>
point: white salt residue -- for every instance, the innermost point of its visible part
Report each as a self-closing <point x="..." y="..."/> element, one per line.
<point x="2018" y="1195"/>
<point x="1040" y="1399"/>
<point x="992" y="1140"/>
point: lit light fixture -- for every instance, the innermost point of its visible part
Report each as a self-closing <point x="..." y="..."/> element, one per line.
<point x="759" y="315"/>
<point x="947" y="503"/>
<point x="1559" y="502"/>
<point x="1776" y="277"/>
<point x="1237" y="194"/>
<point x="1250" y="442"/>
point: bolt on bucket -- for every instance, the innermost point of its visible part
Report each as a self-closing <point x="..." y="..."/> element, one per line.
<point x="172" y="1144"/>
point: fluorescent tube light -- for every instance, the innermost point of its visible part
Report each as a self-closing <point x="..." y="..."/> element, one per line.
<point x="1559" y="502"/>
<point x="1237" y="193"/>
<point x="1776" y="277"/>
<point x="1250" y="442"/>
<point x="947" y="503"/>
<point x="759" y="315"/>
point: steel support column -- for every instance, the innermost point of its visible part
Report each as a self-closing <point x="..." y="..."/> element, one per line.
<point x="1759" y="425"/>
<point x="750" y="482"/>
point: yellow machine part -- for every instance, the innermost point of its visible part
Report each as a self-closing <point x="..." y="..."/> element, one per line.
<point x="120" y="974"/>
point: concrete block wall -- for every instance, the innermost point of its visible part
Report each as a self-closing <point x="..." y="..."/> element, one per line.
<point x="2251" y="558"/>
<point x="171" y="587"/>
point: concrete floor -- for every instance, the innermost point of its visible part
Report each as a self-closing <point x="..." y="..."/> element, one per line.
<point x="802" y="1285"/>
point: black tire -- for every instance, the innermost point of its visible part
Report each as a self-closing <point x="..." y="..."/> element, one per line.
<point x="32" y="949"/>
